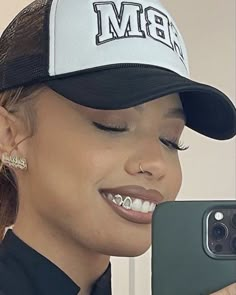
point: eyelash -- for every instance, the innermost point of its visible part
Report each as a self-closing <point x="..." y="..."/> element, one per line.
<point x="172" y="144"/>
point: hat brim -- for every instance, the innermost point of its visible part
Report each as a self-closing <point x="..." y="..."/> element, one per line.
<point x="208" y="111"/>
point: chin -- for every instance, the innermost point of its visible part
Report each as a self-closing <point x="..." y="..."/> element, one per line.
<point x="131" y="249"/>
<point x="130" y="252"/>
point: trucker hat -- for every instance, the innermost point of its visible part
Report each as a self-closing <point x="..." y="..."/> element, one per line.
<point x="110" y="55"/>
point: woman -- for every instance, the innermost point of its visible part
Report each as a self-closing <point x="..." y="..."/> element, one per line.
<point x="90" y="125"/>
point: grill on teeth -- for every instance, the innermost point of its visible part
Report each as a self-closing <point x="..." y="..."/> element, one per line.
<point x="135" y="204"/>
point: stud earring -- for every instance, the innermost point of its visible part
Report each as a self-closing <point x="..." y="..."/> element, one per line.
<point x="13" y="161"/>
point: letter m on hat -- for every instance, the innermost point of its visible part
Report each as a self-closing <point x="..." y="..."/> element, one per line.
<point x="114" y="25"/>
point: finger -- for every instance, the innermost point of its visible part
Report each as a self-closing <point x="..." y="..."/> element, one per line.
<point x="230" y="290"/>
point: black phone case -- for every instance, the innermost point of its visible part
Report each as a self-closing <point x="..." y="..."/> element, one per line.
<point x="180" y="264"/>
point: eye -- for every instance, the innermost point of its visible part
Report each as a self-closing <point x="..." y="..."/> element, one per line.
<point x="174" y="144"/>
<point x="111" y="128"/>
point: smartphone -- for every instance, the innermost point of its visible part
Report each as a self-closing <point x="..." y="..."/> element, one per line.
<point x="193" y="247"/>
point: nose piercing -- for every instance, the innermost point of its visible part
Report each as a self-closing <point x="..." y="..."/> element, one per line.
<point x="141" y="168"/>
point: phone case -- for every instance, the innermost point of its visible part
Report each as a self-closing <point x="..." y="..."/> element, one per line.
<point x="180" y="264"/>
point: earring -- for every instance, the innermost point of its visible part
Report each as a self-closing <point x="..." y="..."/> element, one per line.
<point x="140" y="168"/>
<point x="13" y="161"/>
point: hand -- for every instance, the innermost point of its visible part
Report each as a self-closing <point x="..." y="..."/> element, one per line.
<point x="230" y="290"/>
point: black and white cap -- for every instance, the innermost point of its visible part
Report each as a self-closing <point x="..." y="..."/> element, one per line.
<point x="110" y="55"/>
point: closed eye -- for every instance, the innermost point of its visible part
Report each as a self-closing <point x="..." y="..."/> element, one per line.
<point x="172" y="144"/>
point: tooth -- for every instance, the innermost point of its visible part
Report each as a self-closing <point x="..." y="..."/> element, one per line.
<point x="145" y="207"/>
<point x="152" y="207"/>
<point x="110" y="197"/>
<point x="137" y="205"/>
<point x="118" y="200"/>
<point x="127" y="204"/>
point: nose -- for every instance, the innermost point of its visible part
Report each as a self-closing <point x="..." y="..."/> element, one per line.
<point x="149" y="153"/>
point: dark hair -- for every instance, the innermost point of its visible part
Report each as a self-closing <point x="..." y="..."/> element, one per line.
<point x="14" y="101"/>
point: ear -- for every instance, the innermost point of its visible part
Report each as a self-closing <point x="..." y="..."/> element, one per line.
<point x="11" y="131"/>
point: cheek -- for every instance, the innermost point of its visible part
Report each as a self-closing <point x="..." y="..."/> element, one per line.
<point x="69" y="166"/>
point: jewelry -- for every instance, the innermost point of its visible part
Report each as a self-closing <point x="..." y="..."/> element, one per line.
<point x="141" y="168"/>
<point x="13" y="161"/>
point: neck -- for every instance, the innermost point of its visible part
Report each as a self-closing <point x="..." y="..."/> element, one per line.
<point x="82" y="265"/>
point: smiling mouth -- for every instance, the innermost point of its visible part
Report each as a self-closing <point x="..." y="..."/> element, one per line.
<point x="129" y="214"/>
<point x="130" y="203"/>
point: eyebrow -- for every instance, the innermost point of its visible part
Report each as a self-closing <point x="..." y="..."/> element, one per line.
<point x="174" y="112"/>
<point x="139" y="108"/>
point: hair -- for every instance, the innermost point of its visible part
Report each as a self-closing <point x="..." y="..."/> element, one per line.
<point x="14" y="101"/>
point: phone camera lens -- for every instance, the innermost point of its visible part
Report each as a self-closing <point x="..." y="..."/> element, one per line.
<point x="218" y="248"/>
<point x="234" y="220"/>
<point x="219" y="231"/>
<point x="233" y="244"/>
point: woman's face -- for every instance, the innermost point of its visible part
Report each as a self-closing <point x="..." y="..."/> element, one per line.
<point x="70" y="160"/>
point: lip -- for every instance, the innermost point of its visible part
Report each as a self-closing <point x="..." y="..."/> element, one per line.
<point x="136" y="191"/>
<point x="130" y="215"/>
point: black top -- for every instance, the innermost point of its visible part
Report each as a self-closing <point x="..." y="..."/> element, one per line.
<point x="25" y="271"/>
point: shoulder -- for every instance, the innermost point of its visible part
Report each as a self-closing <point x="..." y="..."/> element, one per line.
<point x="7" y="277"/>
<point x="13" y="280"/>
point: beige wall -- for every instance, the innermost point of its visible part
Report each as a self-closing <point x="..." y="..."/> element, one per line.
<point x="8" y="9"/>
<point x="209" y="31"/>
<point x="209" y="167"/>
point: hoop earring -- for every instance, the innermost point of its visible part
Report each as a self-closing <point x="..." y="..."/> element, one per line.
<point x="141" y="168"/>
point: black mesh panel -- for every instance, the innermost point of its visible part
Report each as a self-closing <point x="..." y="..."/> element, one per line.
<point x="24" y="47"/>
